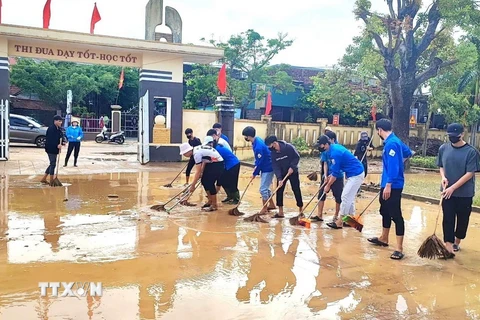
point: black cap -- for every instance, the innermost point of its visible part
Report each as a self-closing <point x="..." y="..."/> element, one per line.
<point x="217" y="126"/>
<point x="270" y="139"/>
<point x="455" y="129"/>
<point x="332" y="135"/>
<point x="211" y="132"/>
<point x="188" y="131"/>
<point x="57" y="117"/>
<point x="249" y="132"/>
<point x="323" y="140"/>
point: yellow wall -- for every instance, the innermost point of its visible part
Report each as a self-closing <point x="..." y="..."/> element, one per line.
<point x="200" y="121"/>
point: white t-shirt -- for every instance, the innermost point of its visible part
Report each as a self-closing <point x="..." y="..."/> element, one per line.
<point x="224" y="144"/>
<point x="206" y="154"/>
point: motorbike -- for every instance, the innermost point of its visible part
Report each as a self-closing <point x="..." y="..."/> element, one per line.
<point x="117" y="137"/>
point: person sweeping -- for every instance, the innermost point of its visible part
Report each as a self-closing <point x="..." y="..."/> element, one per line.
<point x="337" y="186"/>
<point x="394" y="154"/>
<point x="263" y="166"/>
<point x="342" y="161"/>
<point x="214" y="133"/>
<point x="458" y="161"/>
<point x="285" y="160"/>
<point x="74" y="135"/>
<point x="229" y="178"/>
<point x="363" y="145"/>
<point x="194" y="142"/>
<point x="53" y="145"/>
<point x="209" y="167"/>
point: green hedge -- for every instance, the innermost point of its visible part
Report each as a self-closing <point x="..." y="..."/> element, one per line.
<point x="424" y="162"/>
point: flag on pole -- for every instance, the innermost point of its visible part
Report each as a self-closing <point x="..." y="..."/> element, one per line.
<point x="46" y="14"/>
<point x="122" y="78"/>
<point x="0" y="11"/>
<point x="268" y="107"/>
<point x="374" y="112"/>
<point x="222" y="79"/>
<point x="95" y="18"/>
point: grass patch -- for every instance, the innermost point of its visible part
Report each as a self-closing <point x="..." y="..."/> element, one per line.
<point x="424" y="162"/>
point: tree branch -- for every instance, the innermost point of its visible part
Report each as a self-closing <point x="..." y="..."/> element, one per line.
<point x="390" y="7"/>
<point x="433" y="21"/>
<point x="432" y="71"/>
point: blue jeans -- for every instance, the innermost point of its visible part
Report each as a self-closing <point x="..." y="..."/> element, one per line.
<point x="266" y="179"/>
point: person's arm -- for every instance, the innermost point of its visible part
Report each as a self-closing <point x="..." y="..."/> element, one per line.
<point x="470" y="168"/>
<point x="276" y="169"/>
<point x="407" y="153"/>
<point x="198" y="174"/>
<point x="259" y="160"/>
<point x="442" y="170"/>
<point x="68" y="133"/>
<point x="325" y="168"/>
<point x="294" y="157"/>
<point x="81" y="134"/>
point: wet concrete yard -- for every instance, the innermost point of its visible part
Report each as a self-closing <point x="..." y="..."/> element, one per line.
<point x="193" y="265"/>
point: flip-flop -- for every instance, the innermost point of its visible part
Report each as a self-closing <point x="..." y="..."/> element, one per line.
<point x="450" y="256"/>
<point x="209" y="209"/>
<point x="377" y="242"/>
<point x="397" y="255"/>
<point x="316" y="219"/>
<point x="333" y="225"/>
<point x="206" y="205"/>
<point x="277" y="216"/>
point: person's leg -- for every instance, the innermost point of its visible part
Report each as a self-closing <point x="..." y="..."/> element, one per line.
<point x="321" y="204"/>
<point x="69" y="152"/>
<point x="448" y="223"/>
<point x="347" y="207"/>
<point x="365" y="167"/>
<point x="395" y="210"/>
<point x="215" y="174"/>
<point x="53" y="165"/>
<point x="76" y="153"/>
<point x="233" y="184"/>
<point x="279" y="196"/>
<point x="464" y="209"/>
<point x="337" y="190"/>
<point x="268" y="183"/>
<point x="295" y="184"/>
<point x="47" y="171"/>
<point x="190" y="165"/>
<point x="386" y="223"/>
<point x="224" y="181"/>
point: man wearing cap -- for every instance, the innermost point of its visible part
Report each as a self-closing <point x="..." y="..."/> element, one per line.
<point x="214" y="133"/>
<point x="263" y="166"/>
<point x="218" y="128"/>
<point x="229" y="178"/>
<point x="342" y="161"/>
<point x="53" y="145"/>
<point x="395" y="152"/>
<point x="194" y="142"/>
<point x="74" y="135"/>
<point x="285" y="160"/>
<point x="337" y="186"/>
<point x="209" y="167"/>
<point x="363" y="145"/>
<point x="458" y="162"/>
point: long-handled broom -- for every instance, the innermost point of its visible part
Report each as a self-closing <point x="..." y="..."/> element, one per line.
<point x="56" y="182"/>
<point x="354" y="222"/>
<point x="161" y="207"/>
<point x="235" y="211"/>
<point x="169" y="185"/>
<point x="257" y="217"/>
<point x="294" y="221"/>
<point x="306" y="222"/>
<point x="433" y="247"/>
<point x="184" y="199"/>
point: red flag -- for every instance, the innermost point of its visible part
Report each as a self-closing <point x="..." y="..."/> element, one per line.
<point x="95" y="18"/>
<point x="122" y="78"/>
<point x="268" y="107"/>
<point x="46" y="14"/>
<point x="222" y="79"/>
<point x="0" y="11"/>
<point x="374" y="113"/>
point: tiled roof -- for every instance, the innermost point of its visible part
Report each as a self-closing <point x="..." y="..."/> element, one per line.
<point x="14" y="90"/>
<point x="30" y="105"/>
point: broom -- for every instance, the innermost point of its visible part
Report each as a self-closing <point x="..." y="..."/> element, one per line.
<point x="235" y="211"/>
<point x="184" y="199"/>
<point x="169" y="185"/>
<point x="354" y="222"/>
<point x="366" y="150"/>
<point x="56" y="182"/>
<point x="313" y="176"/>
<point x="257" y="217"/>
<point x="161" y="207"/>
<point x="294" y="221"/>
<point x="433" y="247"/>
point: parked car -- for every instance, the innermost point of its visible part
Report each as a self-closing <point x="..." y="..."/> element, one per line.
<point x="25" y="129"/>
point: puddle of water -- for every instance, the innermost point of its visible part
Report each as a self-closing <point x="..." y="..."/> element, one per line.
<point x="190" y="264"/>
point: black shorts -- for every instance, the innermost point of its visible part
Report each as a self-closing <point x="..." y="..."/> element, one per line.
<point x="229" y="177"/>
<point x="211" y="174"/>
<point x="337" y="189"/>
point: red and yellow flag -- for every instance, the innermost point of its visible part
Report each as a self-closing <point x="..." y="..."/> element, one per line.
<point x="122" y="78"/>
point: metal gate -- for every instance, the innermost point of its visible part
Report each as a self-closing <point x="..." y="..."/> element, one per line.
<point x="4" y="130"/>
<point x="143" y="130"/>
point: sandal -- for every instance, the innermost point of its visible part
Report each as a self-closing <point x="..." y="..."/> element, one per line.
<point x="333" y="225"/>
<point x="206" y="205"/>
<point x="377" y="242"/>
<point x="456" y="248"/>
<point x="316" y="219"/>
<point x="397" y="255"/>
<point x="450" y="256"/>
<point x="209" y="209"/>
<point x="277" y="216"/>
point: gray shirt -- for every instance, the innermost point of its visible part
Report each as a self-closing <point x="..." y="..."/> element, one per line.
<point x="456" y="162"/>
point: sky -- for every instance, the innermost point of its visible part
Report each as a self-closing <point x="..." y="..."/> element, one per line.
<point x="321" y="29"/>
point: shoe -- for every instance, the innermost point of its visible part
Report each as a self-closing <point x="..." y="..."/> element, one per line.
<point x="233" y="201"/>
<point x="227" y="199"/>
<point x="206" y="205"/>
<point x="456" y="248"/>
<point x="316" y="219"/>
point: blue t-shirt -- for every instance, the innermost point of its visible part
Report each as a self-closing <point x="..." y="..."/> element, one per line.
<point x="325" y="157"/>
<point x="263" y="158"/>
<point x="229" y="158"/>
<point x="224" y="137"/>
<point x="394" y="151"/>
<point x="343" y="160"/>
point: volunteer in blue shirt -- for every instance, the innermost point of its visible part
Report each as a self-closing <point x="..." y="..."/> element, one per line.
<point x="343" y="161"/>
<point x="263" y="166"/>
<point x="218" y="127"/>
<point x="229" y="179"/>
<point x="74" y="135"/>
<point x="394" y="154"/>
<point x="337" y="186"/>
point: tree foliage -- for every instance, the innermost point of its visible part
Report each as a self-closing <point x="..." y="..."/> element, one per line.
<point x="94" y="87"/>
<point x="248" y="56"/>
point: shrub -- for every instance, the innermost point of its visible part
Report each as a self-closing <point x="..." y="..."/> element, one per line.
<point x="300" y="144"/>
<point x="424" y="162"/>
<point x="416" y="144"/>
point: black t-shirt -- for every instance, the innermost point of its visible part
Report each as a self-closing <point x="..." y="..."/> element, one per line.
<point x="361" y="148"/>
<point x="195" y="142"/>
<point x="53" y="136"/>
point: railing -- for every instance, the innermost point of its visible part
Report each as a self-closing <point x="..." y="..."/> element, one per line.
<point x="4" y="129"/>
<point x="91" y="125"/>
